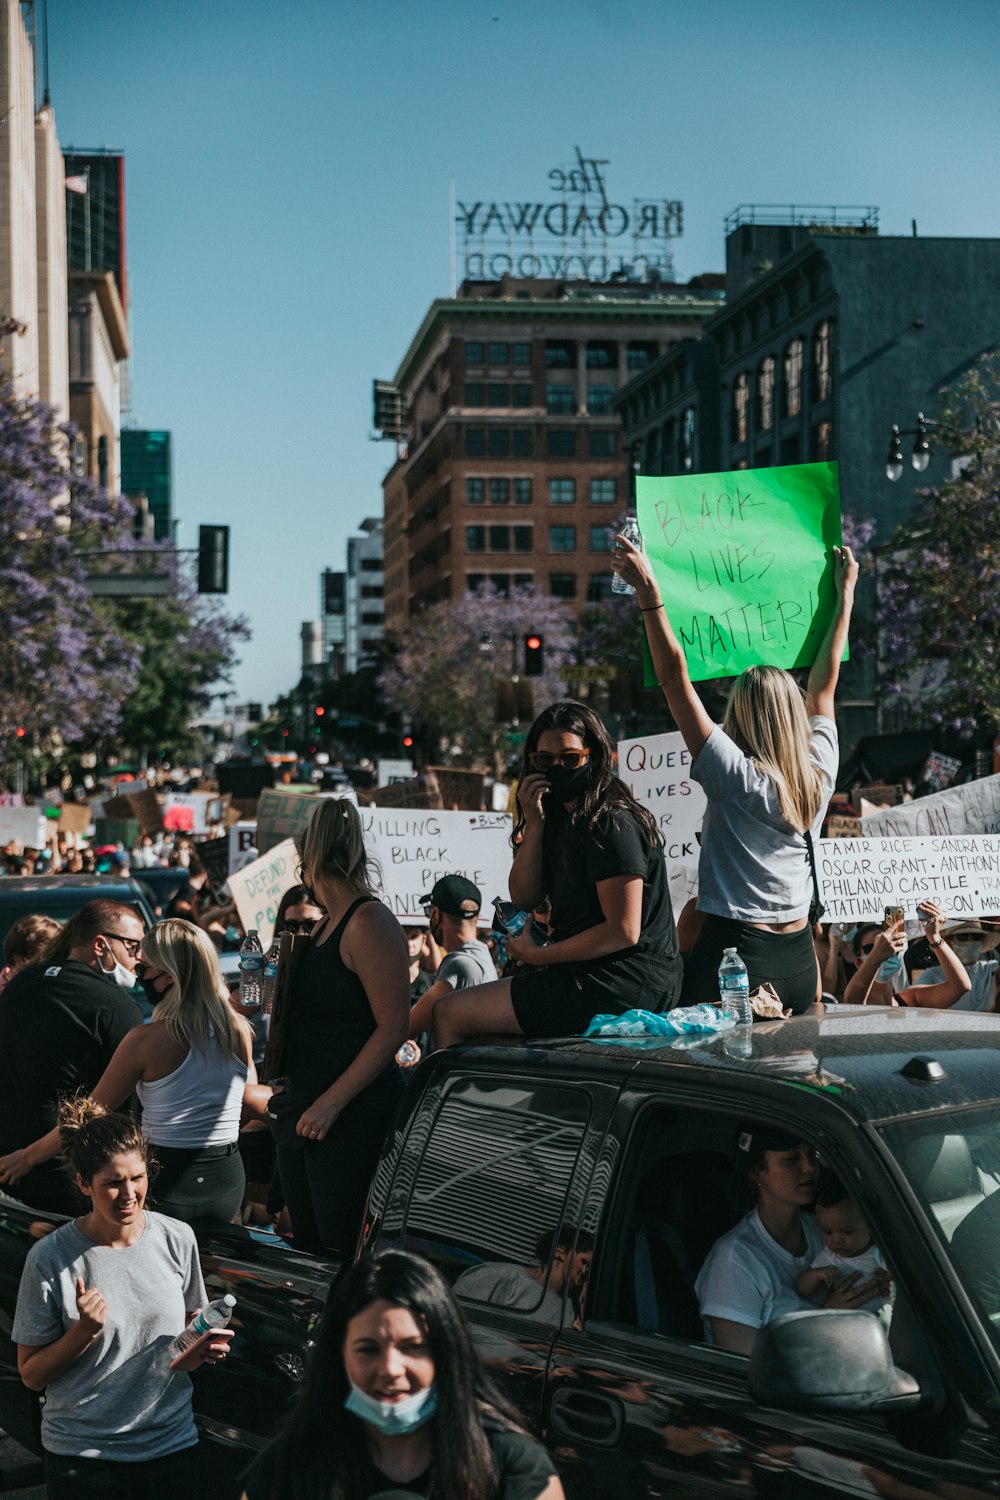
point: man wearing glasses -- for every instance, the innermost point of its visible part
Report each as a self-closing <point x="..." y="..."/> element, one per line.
<point x="60" y="1021"/>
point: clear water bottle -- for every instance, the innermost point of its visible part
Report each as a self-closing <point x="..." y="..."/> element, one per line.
<point x="269" y="976"/>
<point x="734" y="987"/>
<point x="251" y="971"/>
<point x="631" y="533"/>
<point x="216" y="1315"/>
<point x="408" y="1055"/>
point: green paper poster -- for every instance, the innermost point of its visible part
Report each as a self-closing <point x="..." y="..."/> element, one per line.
<point x="744" y="563"/>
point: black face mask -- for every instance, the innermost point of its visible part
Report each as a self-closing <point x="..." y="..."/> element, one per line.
<point x="153" y="995"/>
<point x="566" y="784"/>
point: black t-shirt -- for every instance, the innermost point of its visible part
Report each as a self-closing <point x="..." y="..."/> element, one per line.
<point x="574" y="861"/>
<point x="523" y="1466"/>
<point x="59" y="1026"/>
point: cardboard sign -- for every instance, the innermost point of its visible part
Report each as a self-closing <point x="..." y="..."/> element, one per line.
<point x="971" y="808"/>
<point x="881" y="794"/>
<point x="283" y="815"/>
<point x="415" y="847"/>
<point x="141" y="805"/>
<point x="657" y="771"/>
<point x="744" y="560"/>
<point x="214" y="855"/>
<point x="858" y="877"/>
<point x="190" y="810"/>
<point x="258" y="889"/>
<point x="24" y="825"/>
<point x="940" y="770"/>
<point x="843" y="828"/>
<point x="74" y="817"/>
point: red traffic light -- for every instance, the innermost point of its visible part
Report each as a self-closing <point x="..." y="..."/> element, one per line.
<point x="407" y="741"/>
<point x="319" y="711"/>
<point x="534" y="656"/>
<point x="20" y="731"/>
<point x="532" y="642"/>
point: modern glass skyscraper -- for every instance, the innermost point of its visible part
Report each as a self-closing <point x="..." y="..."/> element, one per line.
<point x="147" y="469"/>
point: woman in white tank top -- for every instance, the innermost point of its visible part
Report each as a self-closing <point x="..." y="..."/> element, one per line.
<point x="192" y="1068"/>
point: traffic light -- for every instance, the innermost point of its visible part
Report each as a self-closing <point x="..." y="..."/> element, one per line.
<point x="319" y="711"/>
<point x="213" y="559"/>
<point x="534" y="656"/>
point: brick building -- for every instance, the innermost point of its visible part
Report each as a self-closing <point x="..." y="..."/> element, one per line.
<point x="511" y="464"/>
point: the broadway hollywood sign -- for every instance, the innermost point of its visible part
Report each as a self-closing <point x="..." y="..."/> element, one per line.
<point x="576" y="234"/>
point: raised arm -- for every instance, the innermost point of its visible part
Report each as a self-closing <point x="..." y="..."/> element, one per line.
<point x="825" y="673"/>
<point x="669" y="663"/>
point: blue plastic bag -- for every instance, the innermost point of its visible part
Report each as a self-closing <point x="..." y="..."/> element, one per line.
<point x="684" y="1020"/>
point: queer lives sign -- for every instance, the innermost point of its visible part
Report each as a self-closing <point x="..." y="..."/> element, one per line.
<point x="657" y="771"/>
<point x="744" y="563"/>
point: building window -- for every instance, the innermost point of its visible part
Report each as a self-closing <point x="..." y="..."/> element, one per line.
<point x="562" y="585"/>
<point x="561" y="442"/>
<point x="600" y="538"/>
<point x="522" y="491"/>
<point x="475" y="490"/>
<point x="638" y="356"/>
<point x="473" y="353"/>
<point x="497" y="395"/>
<point x="599" y="587"/>
<point x="688" y="432"/>
<point x="523" y="537"/>
<point x="822" y="382"/>
<point x="599" y="399"/>
<point x="822" y="442"/>
<point x="501" y="582"/>
<point x="558" y="356"/>
<point x="524" y="580"/>
<point x="765" y="394"/>
<point x="523" y="443"/>
<point x="521" y="354"/>
<point x="474" y="393"/>
<point x="499" y="491"/>
<point x="562" y="491"/>
<point x="474" y="581"/>
<point x="475" y="538"/>
<point x="475" y="442"/>
<point x="496" y="354"/>
<point x="601" y="356"/>
<point x="602" y="491"/>
<point x="602" y="442"/>
<point x="741" y="406"/>
<point x="791" y="449"/>
<point x="498" y="442"/>
<point x="499" y="538"/>
<point x="793" y="378"/>
<point x="562" y="538"/>
<point x="560" y="400"/>
<point x="521" y="395"/>
<point x="370" y="617"/>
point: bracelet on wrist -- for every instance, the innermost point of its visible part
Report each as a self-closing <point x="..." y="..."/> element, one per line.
<point x="645" y="609"/>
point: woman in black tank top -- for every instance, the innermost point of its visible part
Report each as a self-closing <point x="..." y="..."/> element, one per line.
<point x="349" y="1012"/>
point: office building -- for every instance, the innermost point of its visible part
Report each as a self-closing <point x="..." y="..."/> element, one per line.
<point x="364" y="594"/>
<point x="95" y="219"/>
<point x="147" y="471"/>
<point x="98" y="343"/>
<point x="333" y="620"/>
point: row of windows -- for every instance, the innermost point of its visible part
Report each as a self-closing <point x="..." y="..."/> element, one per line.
<point x="521" y="538"/>
<point x="498" y="491"/>
<point x="560" y="442"/>
<point x="791" y="388"/>
<point x="478" y="353"/>
<point x="561" y="585"/>
<point x="560" y="400"/>
<point x="559" y="354"/>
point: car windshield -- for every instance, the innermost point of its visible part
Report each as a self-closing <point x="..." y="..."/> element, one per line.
<point x="953" y="1164"/>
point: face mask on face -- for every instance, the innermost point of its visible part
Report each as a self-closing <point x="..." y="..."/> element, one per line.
<point x="119" y="974"/>
<point x="967" y="950"/>
<point x="567" y="784"/>
<point x="393" y="1418"/>
<point x="153" y="995"/>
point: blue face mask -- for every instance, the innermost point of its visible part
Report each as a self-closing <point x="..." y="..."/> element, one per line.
<point x="393" y="1418"/>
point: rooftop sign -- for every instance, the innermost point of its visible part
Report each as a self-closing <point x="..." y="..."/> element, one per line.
<point x="576" y="234"/>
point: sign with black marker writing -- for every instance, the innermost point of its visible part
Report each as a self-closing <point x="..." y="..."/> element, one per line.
<point x="657" y="771"/>
<point x="858" y="878"/>
<point x="744" y="562"/>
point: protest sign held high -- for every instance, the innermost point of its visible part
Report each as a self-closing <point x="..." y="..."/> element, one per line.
<point x="657" y="771"/>
<point x="744" y="560"/>
<point x="858" y="878"/>
<point x="971" y="808"/>
<point x="258" y="888"/>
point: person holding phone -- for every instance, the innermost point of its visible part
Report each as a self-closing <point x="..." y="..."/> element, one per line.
<point x="583" y="841"/>
<point x="874" y="944"/>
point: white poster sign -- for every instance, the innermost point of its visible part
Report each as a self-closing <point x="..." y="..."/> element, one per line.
<point x="416" y="847"/>
<point x="392" y="771"/>
<point x="25" y="825"/>
<point x="657" y="771"/>
<point x="192" y="810"/>
<point x="258" y="888"/>
<point x="971" y="808"/>
<point x="858" y="877"/>
<point x="242" y="836"/>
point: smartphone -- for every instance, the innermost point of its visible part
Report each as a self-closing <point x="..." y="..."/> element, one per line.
<point x="893" y="916"/>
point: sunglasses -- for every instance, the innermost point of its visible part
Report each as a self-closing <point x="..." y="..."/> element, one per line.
<point x="131" y="945"/>
<point x="544" y="760"/>
<point x="306" y="925"/>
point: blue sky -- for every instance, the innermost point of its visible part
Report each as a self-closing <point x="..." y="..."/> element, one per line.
<point x="288" y="171"/>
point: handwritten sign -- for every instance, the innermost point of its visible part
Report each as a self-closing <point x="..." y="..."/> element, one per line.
<point x="744" y="561"/>
<point x="190" y="811"/>
<point x="258" y="889"/>
<point x="657" y="771"/>
<point x="971" y="808"/>
<point x="142" y="805"/>
<point x="284" y="815"/>
<point x="858" y="877"/>
<point x="242" y="836"/>
<point x="415" y="847"/>
<point x="23" y="825"/>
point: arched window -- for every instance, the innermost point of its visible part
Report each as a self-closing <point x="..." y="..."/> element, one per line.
<point x="822" y="379"/>
<point x="741" y="406"/>
<point x="765" y="394"/>
<point x="793" y="378"/>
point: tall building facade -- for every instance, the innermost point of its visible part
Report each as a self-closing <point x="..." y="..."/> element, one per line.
<point x="333" y="618"/>
<point x="98" y="344"/>
<point x="513" y="465"/>
<point x="365" y="593"/>
<point x="147" y="470"/>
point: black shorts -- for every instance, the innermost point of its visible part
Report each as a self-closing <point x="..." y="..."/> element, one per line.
<point x="786" y="960"/>
<point x="563" y="1000"/>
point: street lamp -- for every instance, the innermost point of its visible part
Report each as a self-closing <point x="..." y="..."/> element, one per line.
<point x="920" y="456"/>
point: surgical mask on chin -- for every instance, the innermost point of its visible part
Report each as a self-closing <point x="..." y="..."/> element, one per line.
<point x="393" y="1418"/>
<point x="567" y="784"/>
<point x="120" y="975"/>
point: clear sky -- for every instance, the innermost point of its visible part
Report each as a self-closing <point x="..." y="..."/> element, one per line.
<point x="287" y="173"/>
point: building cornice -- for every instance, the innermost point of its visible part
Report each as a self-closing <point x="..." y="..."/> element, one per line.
<point x="102" y="284"/>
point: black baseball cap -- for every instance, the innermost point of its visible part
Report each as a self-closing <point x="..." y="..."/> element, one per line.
<point x="455" y="895"/>
<point x="753" y="1139"/>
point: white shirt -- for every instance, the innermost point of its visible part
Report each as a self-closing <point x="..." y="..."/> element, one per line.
<point x="868" y="1262"/>
<point x="981" y="996"/>
<point x="749" y="1278"/>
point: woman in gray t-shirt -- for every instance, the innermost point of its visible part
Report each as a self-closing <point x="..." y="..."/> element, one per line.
<point x="100" y="1301"/>
<point x="767" y="772"/>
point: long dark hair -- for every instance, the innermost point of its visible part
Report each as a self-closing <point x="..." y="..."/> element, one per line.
<point x="321" y="1452"/>
<point x="605" y="790"/>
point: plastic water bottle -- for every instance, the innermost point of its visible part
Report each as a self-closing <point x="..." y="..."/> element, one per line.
<point x="632" y="534"/>
<point x="251" y="971"/>
<point x="734" y="987"/>
<point x="408" y="1054"/>
<point x="269" y="976"/>
<point x="508" y="917"/>
<point x="215" y="1315"/>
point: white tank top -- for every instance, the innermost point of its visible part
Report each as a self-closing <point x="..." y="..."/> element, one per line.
<point x="198" y="1104"/>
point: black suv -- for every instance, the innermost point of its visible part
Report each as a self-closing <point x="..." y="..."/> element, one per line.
<point x="62" y="896"/>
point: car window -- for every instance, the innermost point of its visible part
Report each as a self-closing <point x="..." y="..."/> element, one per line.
<point x="487" y="1200"/>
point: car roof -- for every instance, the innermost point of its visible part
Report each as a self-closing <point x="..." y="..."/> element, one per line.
<point x="853" y="1055"/>
<point x="59" y="882"/>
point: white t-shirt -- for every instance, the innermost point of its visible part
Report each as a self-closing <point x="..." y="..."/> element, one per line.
<point x="983" y="976"/>
<point x="749" y="1278"/>
<point x="753" y="866"/>
<point x="868" y="1262"/>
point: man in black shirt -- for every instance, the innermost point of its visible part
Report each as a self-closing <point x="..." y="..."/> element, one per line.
<point x="60" y="1022"/>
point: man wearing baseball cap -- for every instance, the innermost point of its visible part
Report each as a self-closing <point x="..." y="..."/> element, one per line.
<point x="452" y="909"/>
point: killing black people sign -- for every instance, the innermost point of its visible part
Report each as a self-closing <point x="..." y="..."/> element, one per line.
<point x="744" y="563"/>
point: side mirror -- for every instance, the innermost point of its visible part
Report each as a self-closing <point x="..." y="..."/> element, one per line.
<point x="828" y="1360"/>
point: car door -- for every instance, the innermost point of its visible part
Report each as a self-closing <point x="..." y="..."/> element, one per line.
<point x="637" y="1403"/>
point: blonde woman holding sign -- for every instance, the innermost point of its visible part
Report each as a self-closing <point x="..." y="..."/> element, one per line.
<point x="767" y="771"/>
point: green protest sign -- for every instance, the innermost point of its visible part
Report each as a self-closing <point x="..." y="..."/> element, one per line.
<point x="744" y="563"/>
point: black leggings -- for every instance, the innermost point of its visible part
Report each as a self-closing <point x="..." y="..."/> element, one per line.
<point x="786" y="960"/>
<point x="198" y="1182"/>
<point x="163" y="1478"/>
